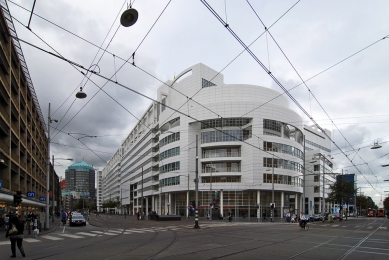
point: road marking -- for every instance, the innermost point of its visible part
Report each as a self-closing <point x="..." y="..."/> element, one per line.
<point x="87" y="234"/>
<point x="5" y="242"/>
<point x="110" y="234"/>
<point x="98" y="232"/>
<point x="51" y="237"/>
<point x="114" y="231"/>
<point x="72" y="236"/>
<point x="31" y="240"/>
<point x="383" y="227"/>
<point x="335" y="225"/>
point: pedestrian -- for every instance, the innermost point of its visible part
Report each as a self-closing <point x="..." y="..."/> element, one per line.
<point x="264" y="216"/>
<point x="16" y="236"/>
<point x="287" y="217"/>
<point x="97" y="214"/>
<point x="137" y="214"/>
<point x="125" y="214"/>
<point x="35" y="230"/>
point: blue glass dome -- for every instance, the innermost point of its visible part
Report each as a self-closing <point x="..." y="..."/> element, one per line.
<point x="80" y="166"/>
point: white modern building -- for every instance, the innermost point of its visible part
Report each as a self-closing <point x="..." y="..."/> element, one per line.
<point x="246" y="136"/>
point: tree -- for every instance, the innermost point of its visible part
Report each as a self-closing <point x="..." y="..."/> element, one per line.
<point x="386" y="203"/>
<point x="341" y="191"/>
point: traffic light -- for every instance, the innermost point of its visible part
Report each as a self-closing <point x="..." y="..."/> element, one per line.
<point x="17" y="198"/>
<point x="272" y="206"/>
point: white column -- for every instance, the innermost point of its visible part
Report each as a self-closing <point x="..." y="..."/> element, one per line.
<point x="147" y="207"/>
<point x="297" y="203"/>
<point x="259" y="204"/>
<point x="282" y="204"/>
<point x="221" y="202"/>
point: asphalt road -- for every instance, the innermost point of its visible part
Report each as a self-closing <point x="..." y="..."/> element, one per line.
<point x="115" y="237"/>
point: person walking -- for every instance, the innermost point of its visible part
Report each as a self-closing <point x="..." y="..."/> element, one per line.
<point x="35" y="230"/>
<point x="17" y="236"/>
<point x="137" y="214"/>
<point x="264" y="216"/>
<point x="125" y="214"/>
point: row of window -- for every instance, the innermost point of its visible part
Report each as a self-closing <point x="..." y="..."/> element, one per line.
<point x="272" y="125"/>
<point x="224" y="122"/>
<point x="170" y="181"/>
<point x="277" y="147"/>
<point x="175" y="166"/>
<point x="217" y="179"/>
<point x="169" y="153"/>
<point x="169" y="139"/>
<point x="282" y="179"/>
<point x="221" y="152"/>
<point x="283" y="164"/>
<point x="221" y="167"/>
<point x="222" y="136"/>
<point x="317" y="145"/>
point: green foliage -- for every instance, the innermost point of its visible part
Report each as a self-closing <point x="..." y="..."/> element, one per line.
<point x="386" y="203"/>
<point x="341" y="191"/>
<point x="110" y="204"/>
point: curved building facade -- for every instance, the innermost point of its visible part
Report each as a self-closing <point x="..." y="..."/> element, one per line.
<point x="250" y="145"/>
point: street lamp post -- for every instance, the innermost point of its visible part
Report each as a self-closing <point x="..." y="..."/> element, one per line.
<point x="197" y="186"/>
<point x="49" y="121"/>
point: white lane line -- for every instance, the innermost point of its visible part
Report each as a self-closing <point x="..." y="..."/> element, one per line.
<point x="31" y="240"/>
<point x="114" y="231"/>
<point x="98" y="232"/>
<point x="5" y="243"/>
<point x="87" y="234"/>
<point x="72" y="236"/>
<point x="51" y="237"/>
<point x="110" y="234"/>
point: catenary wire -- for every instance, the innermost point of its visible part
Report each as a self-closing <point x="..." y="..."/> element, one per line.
<point x="271" y="75"/>
<point x="298" y="74"/>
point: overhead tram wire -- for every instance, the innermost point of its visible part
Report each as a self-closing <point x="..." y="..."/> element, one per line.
<point x="73" y="64"/>
<point x="126" y="61"/>
<point x="225" y="67"/>
<point x="92" y="63"/>
<point x="146" y="35"/>
<point x="272" y="76"/>
<point x="298" y="74"/>
<point x="156" y="101"/>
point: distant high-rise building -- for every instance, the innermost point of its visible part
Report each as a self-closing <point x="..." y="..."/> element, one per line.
<point x="80" y="180"/>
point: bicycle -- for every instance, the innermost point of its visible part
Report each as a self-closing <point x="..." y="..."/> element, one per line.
<point x="304" y="225"/>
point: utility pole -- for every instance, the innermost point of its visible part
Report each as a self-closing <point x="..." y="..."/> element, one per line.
<point x="142" y="197"/>
<point x="47" y="225"/>
<point x="197" y="186"/>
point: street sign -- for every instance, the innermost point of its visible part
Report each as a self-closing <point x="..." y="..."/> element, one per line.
<point x="31" y="194"/>
<point x="1" y="184"/>
<point x="42" y="198"/>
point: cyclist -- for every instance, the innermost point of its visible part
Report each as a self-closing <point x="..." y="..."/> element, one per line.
<point x="303" y="220"/>
<point x="64" y="216"/>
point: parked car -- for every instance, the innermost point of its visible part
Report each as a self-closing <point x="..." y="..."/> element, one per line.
<point x="334" y="216"/>
<point x="309" y="217"/>
<point x="316" y="217"/>
<point x="77" y="220"/>
<point x="324" y="216"/>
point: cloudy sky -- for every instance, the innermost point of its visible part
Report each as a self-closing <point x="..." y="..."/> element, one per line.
<point x="313" y="35"/>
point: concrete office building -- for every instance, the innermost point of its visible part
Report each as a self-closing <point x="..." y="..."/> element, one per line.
<point x="238" y="132"/>
<point x="23" y="140"/>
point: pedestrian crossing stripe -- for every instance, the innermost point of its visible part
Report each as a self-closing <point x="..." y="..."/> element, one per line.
<point x="31" y="240"/>
<point x="115" y="231"/>
<point x="5" y="242"/>
<point x="69" y="235"/>
<point x="87" y="234"/>
<point x="51" y="237"/>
